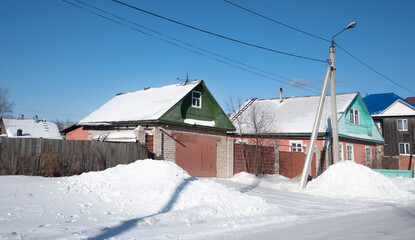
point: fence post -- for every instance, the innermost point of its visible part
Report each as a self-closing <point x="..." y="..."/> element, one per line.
<point x="277" y="157"/>
<point x="317" y="151"/>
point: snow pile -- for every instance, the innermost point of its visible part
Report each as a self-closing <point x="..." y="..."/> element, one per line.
<point x="272" y="181"/>
<point x="349" y="180"/>
<point x="150" y="187"/>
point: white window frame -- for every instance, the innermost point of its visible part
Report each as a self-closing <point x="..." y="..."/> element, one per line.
<point x="296" y="147"/>
<point x="354" y="116"/>
<point x="197" y="99"/>
<point x="352" y="152"/>
<point x="368" y="155"/>
<point x="406" y="148"/>
<point x="404" y="124"/>
<point x="341" y="153"/>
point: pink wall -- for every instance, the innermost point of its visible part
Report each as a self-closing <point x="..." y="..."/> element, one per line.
<point x="77" y="134"/>
<point x="359" y="147"/>
<point x="406" y="162"/>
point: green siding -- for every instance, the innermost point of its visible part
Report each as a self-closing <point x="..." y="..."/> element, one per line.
<point x="395" y="173"/>
<point x="366" y="127"/>
<point x="210" y="110"/>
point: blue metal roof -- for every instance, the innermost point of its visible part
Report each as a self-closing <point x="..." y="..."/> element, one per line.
<point x="376" y="103"/>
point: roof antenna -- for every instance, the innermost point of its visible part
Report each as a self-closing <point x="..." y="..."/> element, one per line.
<point x="186" y="81"/>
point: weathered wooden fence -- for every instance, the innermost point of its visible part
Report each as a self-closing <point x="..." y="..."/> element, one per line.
<point x="245" y="154"/>
<point x="52" y="158"/>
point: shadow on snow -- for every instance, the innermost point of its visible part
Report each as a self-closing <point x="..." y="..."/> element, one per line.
<point x="127" y="225"/>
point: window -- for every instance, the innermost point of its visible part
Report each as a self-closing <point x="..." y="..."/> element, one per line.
<point x="196" y="99"/>
<point x="354" y="116"/>
<point x="349" y="152"/>
<point x="341" y="158"/>
<point x="402" y="125"/>
<point x="403" y="148"/>
<point x="296" y="146"/>
<point x="368" y="151"/>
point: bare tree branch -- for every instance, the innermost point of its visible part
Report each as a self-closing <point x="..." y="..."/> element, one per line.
<point x="5" y="105"/>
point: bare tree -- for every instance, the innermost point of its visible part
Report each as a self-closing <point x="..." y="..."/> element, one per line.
<point x="5" y="105"/>
<point x="254" y="121"/>
<point x="63" y="123"/>
<point x="234" y="106"/>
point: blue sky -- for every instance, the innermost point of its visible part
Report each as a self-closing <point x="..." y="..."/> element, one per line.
<point x="61" y="62"/>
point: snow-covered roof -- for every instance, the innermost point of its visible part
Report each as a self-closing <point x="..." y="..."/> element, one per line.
<point x="31" y="128"/>
<point x="293" y="114"/>
<point x="117" y="136"/>
<point x="144" y="105"/>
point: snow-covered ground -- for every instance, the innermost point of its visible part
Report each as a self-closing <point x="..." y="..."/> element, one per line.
<point x="158" y="200"/>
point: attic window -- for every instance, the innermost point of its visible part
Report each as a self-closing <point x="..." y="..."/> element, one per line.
<point x="196" y="99"/>
<point x="354" y="116"/>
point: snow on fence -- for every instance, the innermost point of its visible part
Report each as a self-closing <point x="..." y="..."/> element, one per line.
<point x="52" y="158"/>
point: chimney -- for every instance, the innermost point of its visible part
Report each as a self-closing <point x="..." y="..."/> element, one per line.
<point x="36" y="119"/>
<point x="22" y="116"/>
<point x="19" y="132"/>
<point x="281" y="95"/>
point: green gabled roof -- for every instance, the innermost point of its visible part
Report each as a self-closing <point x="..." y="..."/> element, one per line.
<point x="210" y="115"/>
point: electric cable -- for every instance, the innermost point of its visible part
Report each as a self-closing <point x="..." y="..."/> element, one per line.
<point x="218" y="35"/>
<point x="278" y="22"/>
<point x="366" y="65"/>
<point x="299" y="30"/>
<point x="191" y="50"/>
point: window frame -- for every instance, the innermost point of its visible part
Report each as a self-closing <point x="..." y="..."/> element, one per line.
<point x="198" y="99"/>
<point x="404" y="126"/>
<point x="301" y="147"/>
<point x="368" y="160"/>
<point x="352" y="152"/>
<point x="341" y="152"/>
<point x="354" y="116"/>
<point x="406" y="149"/>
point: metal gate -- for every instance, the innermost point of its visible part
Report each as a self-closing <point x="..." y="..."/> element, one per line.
<point x="196" y="154"/>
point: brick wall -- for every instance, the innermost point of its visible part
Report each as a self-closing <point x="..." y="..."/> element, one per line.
<point x="164" y="144"/>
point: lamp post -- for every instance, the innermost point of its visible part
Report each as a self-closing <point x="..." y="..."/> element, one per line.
<point x="330" y="74"/>
<point x="334" y="127"/>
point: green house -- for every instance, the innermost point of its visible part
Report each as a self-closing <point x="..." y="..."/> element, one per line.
<point x="182" y="123"/>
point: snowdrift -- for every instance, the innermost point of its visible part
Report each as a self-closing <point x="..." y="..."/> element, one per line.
<point x="349" y="180"/>
<point x="151" y="187"/>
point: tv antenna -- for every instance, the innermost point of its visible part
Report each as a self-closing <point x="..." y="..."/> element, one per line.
<point x="185" y="80"/>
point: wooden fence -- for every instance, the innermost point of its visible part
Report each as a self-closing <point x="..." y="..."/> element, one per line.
<point x="52" y="158"/>
<point x="245" y="154"/>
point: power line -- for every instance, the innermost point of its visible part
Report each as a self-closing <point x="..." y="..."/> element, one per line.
<point x="327" y="40"/>
<point x="278" y="22"/>
<point x="360" y="61"/>
<point x="218" y="35"/>
<point x="191" y="45"/>
<point x="191" y="50"/>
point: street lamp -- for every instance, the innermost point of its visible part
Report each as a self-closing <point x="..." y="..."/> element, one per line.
<point x="351" y="25"/>
<point x="334" y="127"/>
<point x="330" y="74"/>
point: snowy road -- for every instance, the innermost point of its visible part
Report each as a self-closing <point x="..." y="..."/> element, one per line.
<point x="157" y="200"/>
<point x="329" y="218"/>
